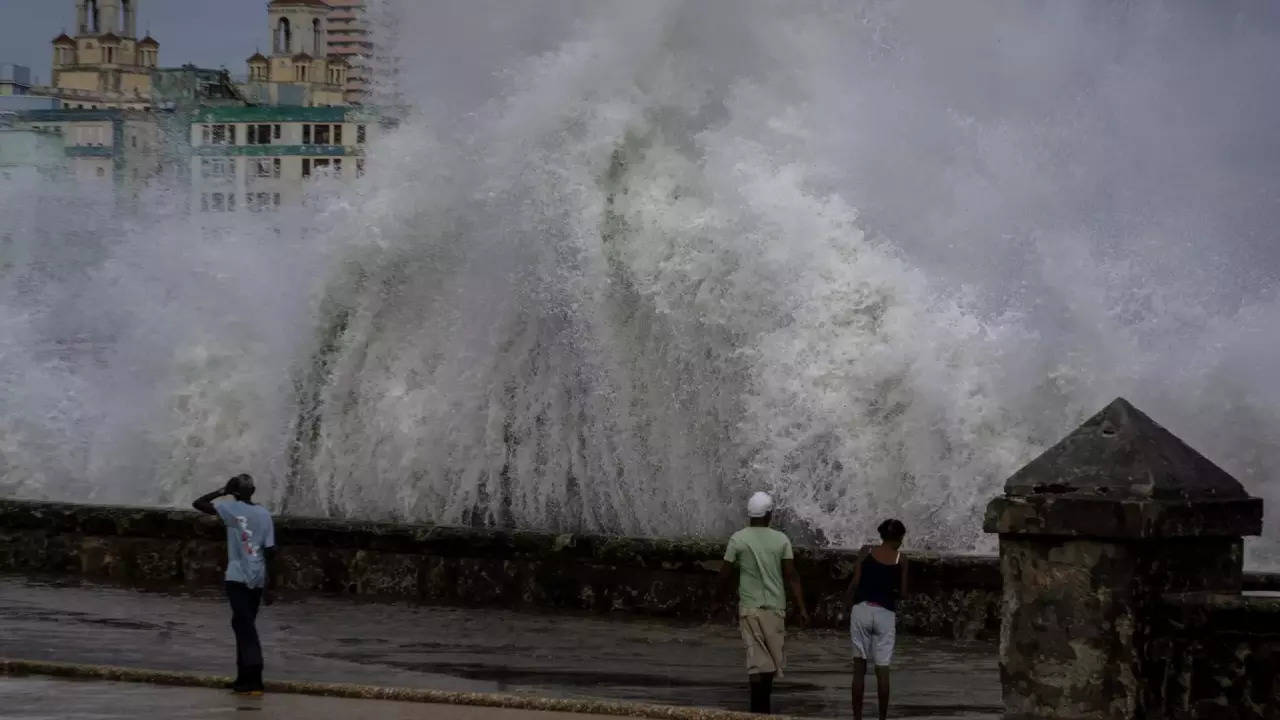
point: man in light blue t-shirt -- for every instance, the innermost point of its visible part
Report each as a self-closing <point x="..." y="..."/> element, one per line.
<point x="251" y="541"/>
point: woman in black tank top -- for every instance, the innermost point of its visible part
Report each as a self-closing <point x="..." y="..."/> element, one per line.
<point x="879" y="581"/>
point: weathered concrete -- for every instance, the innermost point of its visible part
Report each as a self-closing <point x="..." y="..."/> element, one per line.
<point x="1215" y="656"/>
<point x="953" y="596"/>
<point x="1093" y="534"/>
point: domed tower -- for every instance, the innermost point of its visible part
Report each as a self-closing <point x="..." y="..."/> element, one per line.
<point x="64" y="52"/>
<point x="104" y="65"/>
<point x="101" y="17"/>
<point x="297" y="71"/>
<point x="298" y="26"/>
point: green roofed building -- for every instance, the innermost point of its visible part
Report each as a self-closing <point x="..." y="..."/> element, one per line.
<point x="254" y="159"/>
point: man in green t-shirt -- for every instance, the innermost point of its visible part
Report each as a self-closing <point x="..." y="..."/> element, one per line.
<point x="761" y="558"/>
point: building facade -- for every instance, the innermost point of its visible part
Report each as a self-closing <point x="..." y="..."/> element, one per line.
<point x="105" y="66"/>
<point x="118" y="150"/>
<point x="299" y="70"/>
<point x="27" y="154"/>
<point x="255" y="159"/>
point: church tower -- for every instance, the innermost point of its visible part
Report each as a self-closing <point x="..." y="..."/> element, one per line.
<point x="105" y="65"/>
<point x="299" y="70"/>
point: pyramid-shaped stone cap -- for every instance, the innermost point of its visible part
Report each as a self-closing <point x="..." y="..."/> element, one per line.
<point x="1122" y="454"/>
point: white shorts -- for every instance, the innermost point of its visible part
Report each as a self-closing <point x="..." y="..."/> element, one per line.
<point x="872" y="630"/>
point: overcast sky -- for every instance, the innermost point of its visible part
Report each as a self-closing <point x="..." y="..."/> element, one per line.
<point x="208" y="33"/>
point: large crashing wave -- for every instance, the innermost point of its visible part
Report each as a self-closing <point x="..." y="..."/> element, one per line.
<point x="829" y="249"/>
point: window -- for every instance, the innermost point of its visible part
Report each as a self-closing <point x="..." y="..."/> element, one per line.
<point x="337" y="167"/>
<point x="306" y="167"/>
<point x="134" y="140"/>
<point x="266" y="168"/>
<point x="275" y="132"/>
<point x="283" y="37"/>
<point x="102" y="172"/>
<point x="361" y="134"/>
<point x="218" y="202"/>
<point x="257" y="202"/>
<point x="317" y="35"/>
<point x="217" y="167"/>
<point x="306" y="134"/>
<point x="359" y="167"/>
<point x="218" y="134"/>
<point x="300" y="73"/>
<point x="88" y="135"/>
<point x="337" y="134"/>
<point x="259" y="134"/>
<point x="320" y="134"/>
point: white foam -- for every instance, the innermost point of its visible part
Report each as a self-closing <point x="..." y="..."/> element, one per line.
<point x="868" y="259"/>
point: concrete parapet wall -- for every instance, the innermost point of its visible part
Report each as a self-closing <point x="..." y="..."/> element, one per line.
<point x="951" y="595"/>
<point x="1215" y="656"/>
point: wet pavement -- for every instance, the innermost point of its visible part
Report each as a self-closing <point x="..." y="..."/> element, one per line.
<point x="563" y="655"/>
<point x="47" y="699"/>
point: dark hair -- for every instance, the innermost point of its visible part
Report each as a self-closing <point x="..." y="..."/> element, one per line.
<point x="241" y="485"/>
<point x="892" y="530"/>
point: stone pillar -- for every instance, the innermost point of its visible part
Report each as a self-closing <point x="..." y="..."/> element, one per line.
<point x="108" y="16"/>
<point x="130" y="18"/>
<point x="1092" y="533"/>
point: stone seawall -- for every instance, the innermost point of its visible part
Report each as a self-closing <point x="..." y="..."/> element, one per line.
<point x="956" y="596"/>
<point x="1215" y="656"/>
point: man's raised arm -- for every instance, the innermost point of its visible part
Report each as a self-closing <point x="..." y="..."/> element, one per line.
<point x="204" y="503"/>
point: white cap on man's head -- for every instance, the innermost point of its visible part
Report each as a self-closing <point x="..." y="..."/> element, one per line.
<point x="759" y="505"/>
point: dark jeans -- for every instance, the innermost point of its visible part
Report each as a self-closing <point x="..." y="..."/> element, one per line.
<point x="244" y="612"/>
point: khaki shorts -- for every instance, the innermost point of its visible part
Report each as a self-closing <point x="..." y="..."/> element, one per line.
<point x="763" y="632"/>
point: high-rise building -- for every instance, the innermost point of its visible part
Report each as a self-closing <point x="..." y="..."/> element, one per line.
<point x="105" y="65"/>
<point x="14" y="79"/>
<point x="349" y="38"/>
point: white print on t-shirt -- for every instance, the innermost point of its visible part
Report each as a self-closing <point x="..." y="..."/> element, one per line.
<point x="246" y="536"/>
